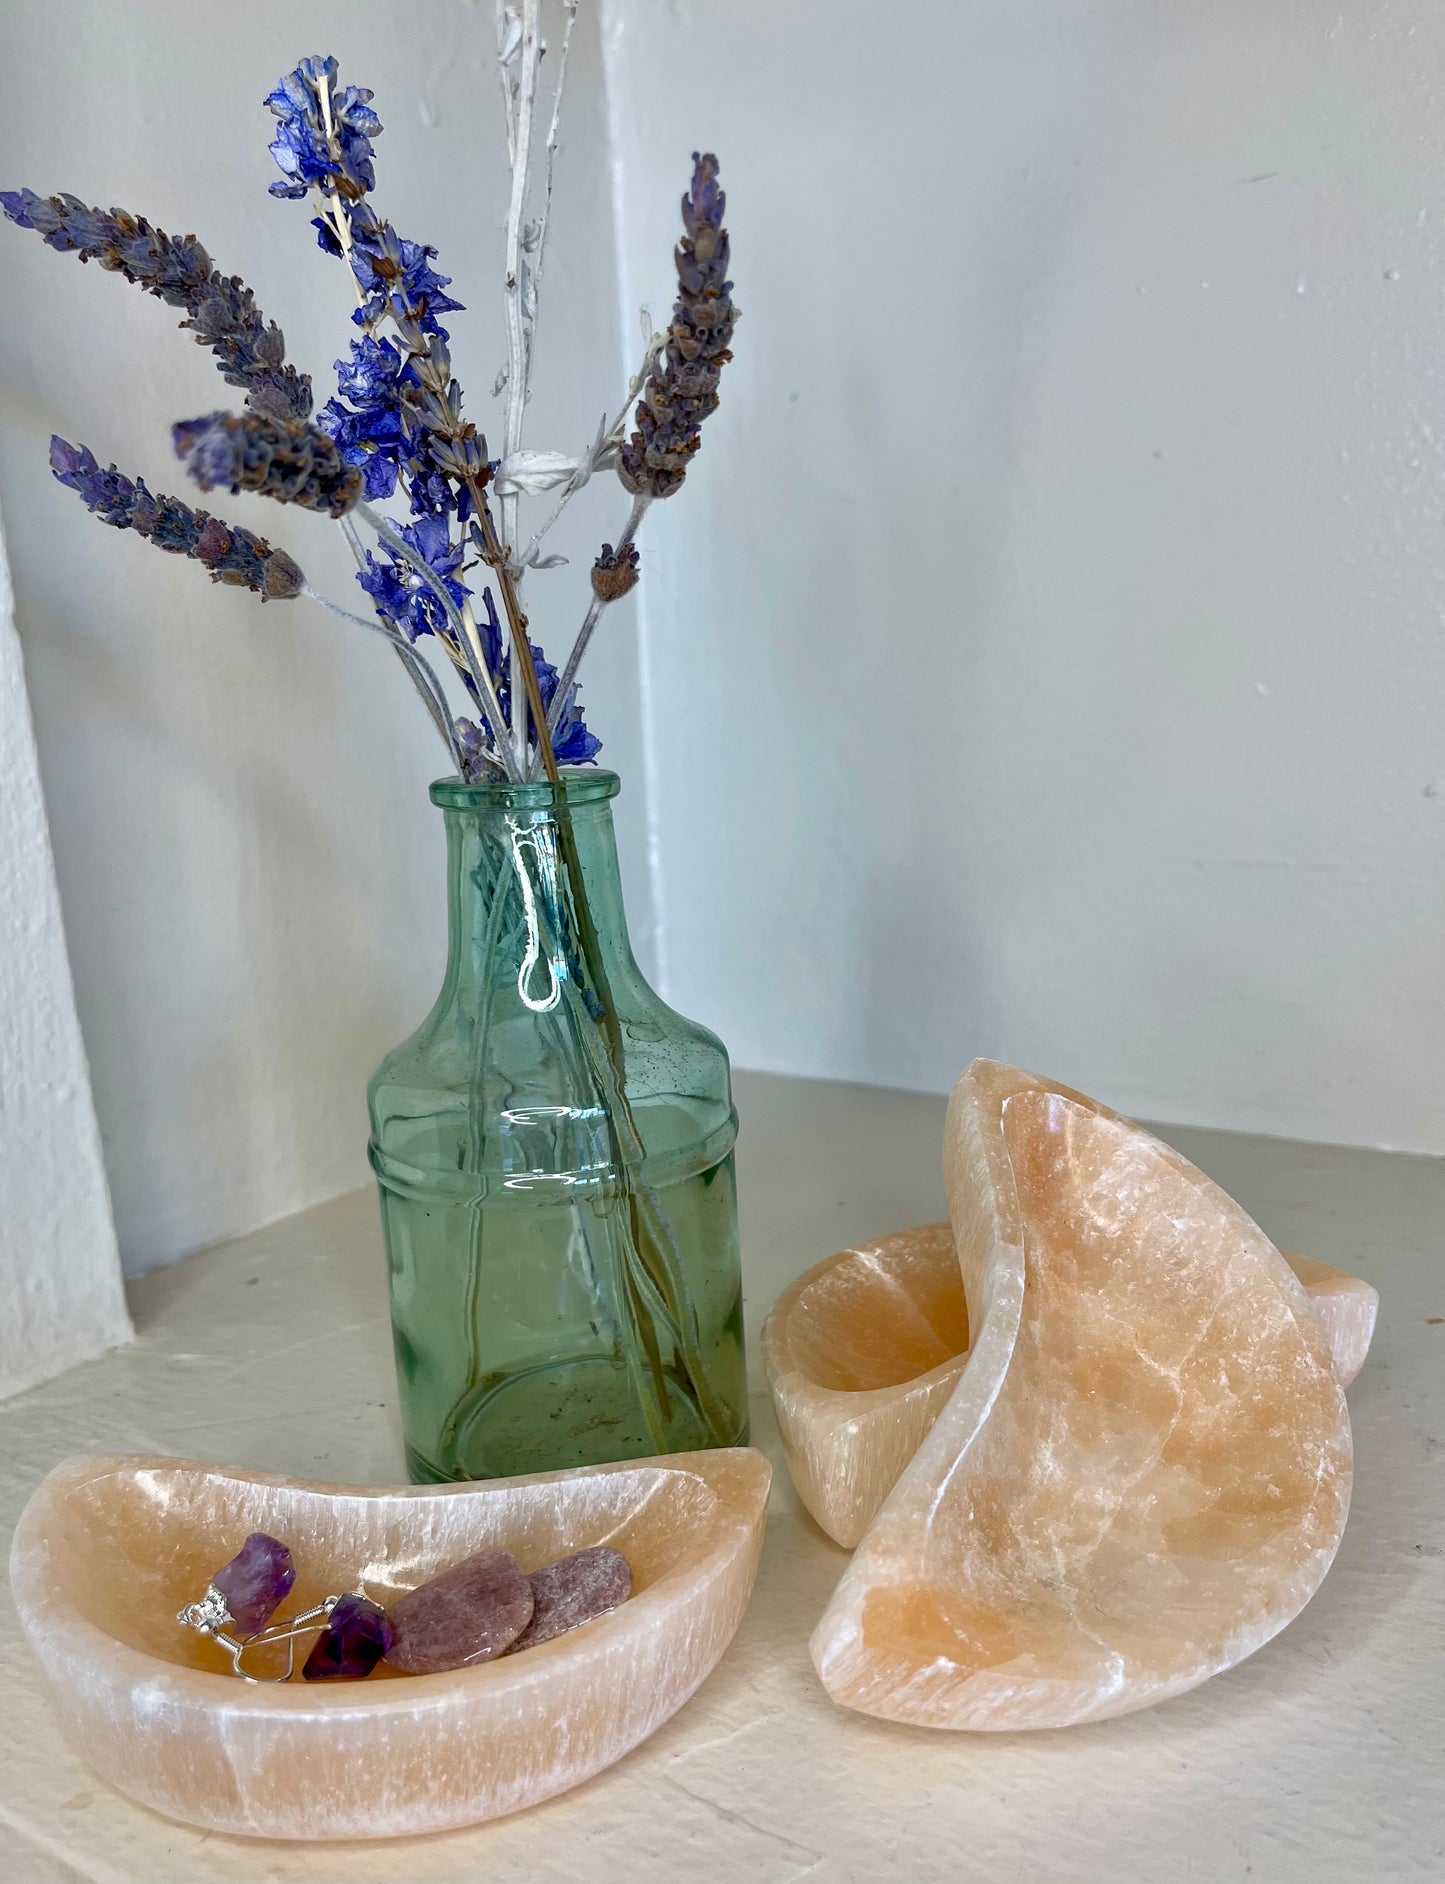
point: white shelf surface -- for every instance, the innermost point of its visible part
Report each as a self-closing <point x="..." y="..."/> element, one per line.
<point x="1318" y="1760"/>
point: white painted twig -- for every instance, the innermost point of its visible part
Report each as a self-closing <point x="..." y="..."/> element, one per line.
<point x="528" y="57"/>
<point x="544" y="217"/>
<point x="609" y="437"/>
<point x="509" y="38"/>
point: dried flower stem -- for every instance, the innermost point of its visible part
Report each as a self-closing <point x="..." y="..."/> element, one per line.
<point x="595" y="611"/>
<point x="522" y="663"/>
<point x="337" y="220"/>
<point x="468" y="639"/>
<point x="422" y="674"/>
<point x="412" y="659"/>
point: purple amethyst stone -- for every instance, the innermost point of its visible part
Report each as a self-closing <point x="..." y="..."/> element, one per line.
<point x="356" y="1636"/>
<point x="255" y="1582"/>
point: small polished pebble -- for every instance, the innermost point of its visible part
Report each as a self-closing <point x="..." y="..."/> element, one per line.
<point x="357" y="1635"/>
<point x="572" y="1591"/>
<point x="471" y="1613"/>
<point x="255" y="1582"/>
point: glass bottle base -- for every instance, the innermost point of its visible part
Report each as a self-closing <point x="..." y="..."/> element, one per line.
<point x="557" y="1419"/>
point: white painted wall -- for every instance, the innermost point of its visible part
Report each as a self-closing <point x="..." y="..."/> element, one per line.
<point x="61" y="1299"/>
<point x="250" y="870"/>
<point x="1043" y="659"/>
<point x="1045" y="656"/>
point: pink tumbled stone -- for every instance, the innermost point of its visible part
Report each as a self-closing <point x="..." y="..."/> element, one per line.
<point x="470" y="1613"/>
<point x="574" y="1590"/>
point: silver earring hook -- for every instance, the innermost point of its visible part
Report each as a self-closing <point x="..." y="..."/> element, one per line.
<point x="213" y="1618"/>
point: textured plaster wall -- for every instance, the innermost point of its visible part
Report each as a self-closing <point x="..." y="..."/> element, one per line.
<point x="60" y="1290"/>
<point x="1046" y="656"/>
<point x="250" y="870"/>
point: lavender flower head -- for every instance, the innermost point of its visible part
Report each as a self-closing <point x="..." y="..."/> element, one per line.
<point x="295" y="464"/>
<point x="682" y="388"/>
<point x="231" y="554"/>
<point x="614" y="573"/>
<point x="250" y="350"/>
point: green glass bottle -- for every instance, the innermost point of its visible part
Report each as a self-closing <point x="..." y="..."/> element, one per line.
<point x="554" y="1149"/>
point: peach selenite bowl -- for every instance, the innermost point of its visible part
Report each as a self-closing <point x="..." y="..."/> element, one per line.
<point x="1144" y="1469"/>
<point x="108" y="1550"/>
<point x="864" y="1349"/>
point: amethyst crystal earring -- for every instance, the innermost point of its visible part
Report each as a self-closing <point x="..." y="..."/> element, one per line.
<point x="356" y="1637"/>
<point x="481" y="1608"/>
<point x="243" y="1596"/>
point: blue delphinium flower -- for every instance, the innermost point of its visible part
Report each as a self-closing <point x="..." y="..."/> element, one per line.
<point x="395" y="586"/>
<point x="406" y="599"/>
<point x="491" y="630"/>
<point x="303" y="152"/>
<point x="366" y="418"/>
<point x="572" y="743"/>
<point x="397" y="279"/>
<point x="397" y="414"/>
<point x="401" y="594"/>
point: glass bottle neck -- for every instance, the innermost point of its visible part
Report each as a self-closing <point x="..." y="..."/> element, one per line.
<point x="515" y="928"/>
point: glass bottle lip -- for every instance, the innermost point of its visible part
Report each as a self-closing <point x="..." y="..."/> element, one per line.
<point x="581" y="785"/>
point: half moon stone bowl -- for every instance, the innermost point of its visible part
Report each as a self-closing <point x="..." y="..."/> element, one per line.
<point x="1143" y="1470"/>
<point x="110" y="1548"/>
<point x="863" y="1350"/>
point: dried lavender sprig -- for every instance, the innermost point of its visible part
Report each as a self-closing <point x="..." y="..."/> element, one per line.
<point x="681" y="390"/>
<point x="231" y="554"/>
<point x="293" y="462"/>
<point x="250" y="351"/>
